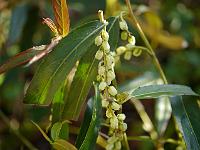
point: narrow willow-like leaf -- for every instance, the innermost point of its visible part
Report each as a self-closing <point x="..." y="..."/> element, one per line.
<point x="155" y="91"/>
<point x="148" y="78"/>
<point x="91" y="124"/>
<point x="162" y="109"/>
<point x="22" y="58"/>
<point x="56" y="65"/>
<point x="186" y="112"/>
<point x="58" y="101"/>
<point x="61" y="14"/>
<point x="86" y="73"/>
<point x="57" y="104"/>
<point x="63" y="145"/>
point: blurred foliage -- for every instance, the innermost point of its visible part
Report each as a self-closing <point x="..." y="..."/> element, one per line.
<point x="172" y="27"/>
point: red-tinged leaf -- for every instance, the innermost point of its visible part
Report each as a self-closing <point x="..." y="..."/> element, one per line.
<point x="61" y="15"/>
<point x="22" y="58"/>
<point x="51" y="25"/>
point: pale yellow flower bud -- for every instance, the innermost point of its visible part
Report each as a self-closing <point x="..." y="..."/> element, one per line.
<point x="123" y="25"/>
<point x="124" y="127"/>
<point x="124" y="35"/>
<point x="112" y="90"/>
<point x="120" y="50"/>
<point x="109" y="81"/>
<point x="109" y="60"/>
<point x="131" y="40"/>
<point x="115" y="106"/>
<point x="111" y="75"/>
<point x="105" y="103"/>
<point x="130" y="46"/>
<point x="105" y="35"/>
<point x="127" y="55"/>
<point x="114" y="122"/>
<point x="101" y="70"/>
<point x="102" y="86"/>
<point x="99" y="55"/>
<point x="121" y="117"/>
<point x="106" y="46"/>
<point x="98" y="40"/>
<point x="109" y="113"/>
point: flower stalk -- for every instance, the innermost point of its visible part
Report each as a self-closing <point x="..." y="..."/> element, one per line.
<point x="106" y="74"/>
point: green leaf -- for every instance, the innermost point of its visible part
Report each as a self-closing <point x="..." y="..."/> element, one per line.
<point x="57" y="64"/>
<point x="186" y="112"/>
<point x="91" y="124"/>
<point x="58" y="103"/>
<point x="60" y="130"/>
<point x="155" y="91"/>
<point x="22" y="58"/>
<point x="63" y="145"/>
<point x="86" y="73"/>
<point x="163" y="107"/>
<point x="113" y="29"/>
<point x="148" y="78"/>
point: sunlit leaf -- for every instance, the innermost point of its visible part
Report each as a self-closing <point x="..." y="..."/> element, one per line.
<point x="163" y="108"/>
<point x="155" y="91"/>
<point x="61" y="14"/>
<point x="22" y="58"/>
<point x="86" y="73"/>
<point x="57" y="64"/>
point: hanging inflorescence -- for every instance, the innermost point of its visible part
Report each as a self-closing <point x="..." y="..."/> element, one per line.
<point x="129" y="49"/>
<point x="106" y="75"/>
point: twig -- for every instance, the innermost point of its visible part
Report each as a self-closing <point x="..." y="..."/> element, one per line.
<point x="139" y="138"/>
<point x="136" y="23"/>
<point x="155" y="60"/>
<point x="148" y="125"/>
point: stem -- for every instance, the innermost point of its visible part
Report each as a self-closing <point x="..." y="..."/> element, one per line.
<point x="139" y="138"/>
<point x="148" y="125"/>
<point x="16" y="132"/>
<point x="136" y="23"/>
<point x="126" y="142"/>
<point x="155" y="60"/>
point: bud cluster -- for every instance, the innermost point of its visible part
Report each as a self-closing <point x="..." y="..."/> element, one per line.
<point x="129" y="49"/>
<point x="106" y="75"/>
